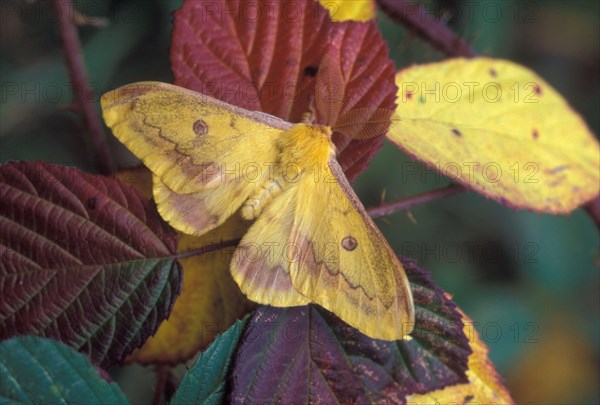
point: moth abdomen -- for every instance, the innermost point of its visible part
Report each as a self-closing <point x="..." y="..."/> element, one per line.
<point x="254" y="205"/>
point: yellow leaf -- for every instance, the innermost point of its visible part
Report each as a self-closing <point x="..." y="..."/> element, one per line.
<point x="210" y="301"/>
<point x="356" y="10"/>
<point x="484" y="387"/>
<point x="500" y="129"/>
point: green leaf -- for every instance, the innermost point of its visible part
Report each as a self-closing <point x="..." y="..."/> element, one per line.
<point x="42" y="371"/>
<point x="205" y="382"/>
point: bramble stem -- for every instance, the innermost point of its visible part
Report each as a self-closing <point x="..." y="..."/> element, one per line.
<point x="409" y="202"/>
<point x="208" y="248"/>
<point x="162" y="376"/>
<point x="415" y="17"/>
<point x="79" y="81"/>
<point x="593" y="210"/>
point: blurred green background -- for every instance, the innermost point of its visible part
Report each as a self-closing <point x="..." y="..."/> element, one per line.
<point x="530" y="282"/>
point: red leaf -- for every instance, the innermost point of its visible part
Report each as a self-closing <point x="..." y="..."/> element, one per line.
<point x="307" y="355"/>
<point x="265" y="56"/>
<point x="84" y="259"/>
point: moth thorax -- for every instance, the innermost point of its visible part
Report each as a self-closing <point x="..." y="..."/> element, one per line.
<point x="306" y="144"/>
<point x="257" y="202"/>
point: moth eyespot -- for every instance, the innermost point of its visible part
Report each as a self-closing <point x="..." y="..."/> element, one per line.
<point x="200" y="127"/>
<point x="349" y="243"/>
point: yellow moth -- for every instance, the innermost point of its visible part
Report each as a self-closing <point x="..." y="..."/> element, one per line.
<point x="311" y="239"/>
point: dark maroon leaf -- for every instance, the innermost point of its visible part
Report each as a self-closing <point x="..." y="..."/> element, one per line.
<point x="266" y="56"/>
<point x="307" y="355"/>
<point x="84" y="259"/>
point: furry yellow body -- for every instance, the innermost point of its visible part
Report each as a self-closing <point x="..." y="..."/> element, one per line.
<point x="303" y="148"/>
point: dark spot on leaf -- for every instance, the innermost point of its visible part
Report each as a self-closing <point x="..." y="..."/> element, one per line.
<point x="537" y="89"/>
<point x="200" y="127"/>
<point x="361" y="60"/>
<point x="456" y="132"/>
<point x="535" y="134"/>
<point x="468" y="398"/>
<point x="311" y="71"/>
<point x="409" y="95"/>
<point x="422" y="100"/>
<point x="349" y="243"/>
<point x="493" y="73"/>
<point x="92" y="203"/>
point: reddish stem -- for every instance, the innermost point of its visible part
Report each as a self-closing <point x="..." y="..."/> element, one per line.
<point x="84" y="97"/>
<point x="427" y="27"/>
<point x="593" y="210"/>
<point x="208" y="248"/>
<point x="407" y="203"/>
<point x="162" y="376"/>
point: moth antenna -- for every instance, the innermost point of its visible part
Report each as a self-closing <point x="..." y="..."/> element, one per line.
<point x="365" y="123"/>
<point x="329" y="87"/>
